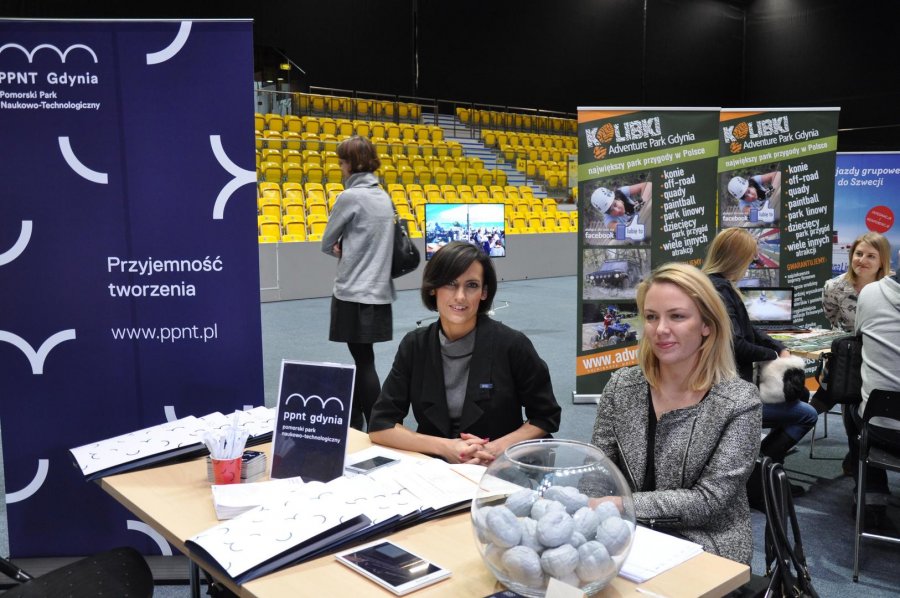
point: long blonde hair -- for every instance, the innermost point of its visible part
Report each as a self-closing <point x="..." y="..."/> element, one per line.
<point x="730" y="253"/>
<point x="715" y="362"/>
<point x="881" y="244"/>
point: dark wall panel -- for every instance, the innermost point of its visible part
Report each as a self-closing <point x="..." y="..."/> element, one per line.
<point x="531" y="53"/>
<point x="363" y="45"/>
<point x="694" y="53"/>
<point x="828" y="53"/>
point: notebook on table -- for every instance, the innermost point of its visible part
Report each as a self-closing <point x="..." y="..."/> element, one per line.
<point x="771" y="309"/>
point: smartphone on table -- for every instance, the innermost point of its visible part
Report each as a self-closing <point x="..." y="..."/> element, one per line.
<point x="393" y="567"/>
<point x="371" y="464"/>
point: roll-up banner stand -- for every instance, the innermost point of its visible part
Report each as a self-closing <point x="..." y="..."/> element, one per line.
<point x="646" y="195"/>
<point x="128" y="254"/>
<point x="866" y="198"/>
<point x="782" y="159"/>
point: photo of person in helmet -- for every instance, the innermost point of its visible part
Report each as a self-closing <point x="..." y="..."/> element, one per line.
<point x="753" y="192"/>
<point x="619" y="205"/>
<point x="749" y="199"/>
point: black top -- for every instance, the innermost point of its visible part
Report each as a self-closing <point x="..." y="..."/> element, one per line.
<point x="505" y="375"/>
<point x="650" y="471"/>
<point x="750" y="344"/>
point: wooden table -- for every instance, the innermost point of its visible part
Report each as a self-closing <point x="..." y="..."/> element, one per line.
<point x="176" y="501"/>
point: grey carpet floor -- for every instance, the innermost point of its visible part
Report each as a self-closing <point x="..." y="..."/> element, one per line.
<point x="545" y="310"/>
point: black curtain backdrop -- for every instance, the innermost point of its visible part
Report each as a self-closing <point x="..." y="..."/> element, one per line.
<point x="559" y="55"/>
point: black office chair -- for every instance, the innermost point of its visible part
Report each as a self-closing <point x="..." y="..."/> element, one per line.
<point x="881" y="403"/>
<point x="121" y="572"/>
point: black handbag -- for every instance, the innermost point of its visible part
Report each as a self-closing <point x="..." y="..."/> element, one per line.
<point x="785" y="561"/>
<point x="842" y="376"/>
<point x="406" y="254"/>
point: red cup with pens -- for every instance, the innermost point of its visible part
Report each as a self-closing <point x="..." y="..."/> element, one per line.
<point x="226" y="449"/>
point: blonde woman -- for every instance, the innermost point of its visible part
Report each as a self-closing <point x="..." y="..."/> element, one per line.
<point x="870" y="261"/>
<point x="682" y="426"/>
<point x="727" y="260"/>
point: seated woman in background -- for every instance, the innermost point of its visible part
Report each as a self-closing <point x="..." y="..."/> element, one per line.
<point x="682" y="427"/>
<point x="727" y="260"/>
<point x="870" y="260"/>
<point x="467" y="377"/>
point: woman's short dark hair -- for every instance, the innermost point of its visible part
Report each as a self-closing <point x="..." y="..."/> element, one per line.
<point x="359" y="153"/>
<point x="449" y="263"/>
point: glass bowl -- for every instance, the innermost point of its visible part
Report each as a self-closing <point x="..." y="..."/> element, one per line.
<point x="553" y="508"/>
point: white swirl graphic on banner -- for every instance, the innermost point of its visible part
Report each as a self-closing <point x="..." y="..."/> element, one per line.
<point x="311" y="397"/>
<point x="76" y="165"/>
<point x="37" y="358"/>
<point x="140" y="526"/>
<point x="19" y="246"/>
<point x="241" y="176"/>
<point x="172" y="49"/>
<point x="62" y="55"/>
<point x="33" y="486"/>
<point x="169" y="410"/>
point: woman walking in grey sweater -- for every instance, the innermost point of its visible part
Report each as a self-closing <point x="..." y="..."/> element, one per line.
<point x="360" y="233"/>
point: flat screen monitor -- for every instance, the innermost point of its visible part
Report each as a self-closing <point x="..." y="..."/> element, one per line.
<point x="481" y="224"/>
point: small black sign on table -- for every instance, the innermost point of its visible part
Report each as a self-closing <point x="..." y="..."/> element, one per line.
<point x="310" y="439"/>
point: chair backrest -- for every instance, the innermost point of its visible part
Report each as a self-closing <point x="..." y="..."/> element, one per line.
<point x="883" y="403"/>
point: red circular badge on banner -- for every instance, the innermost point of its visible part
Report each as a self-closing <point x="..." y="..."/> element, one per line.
<point x="880" y="219"/>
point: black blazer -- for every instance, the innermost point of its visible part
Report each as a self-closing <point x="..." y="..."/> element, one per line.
<point x="505" y="375"/>
<point x="750" y="344"/>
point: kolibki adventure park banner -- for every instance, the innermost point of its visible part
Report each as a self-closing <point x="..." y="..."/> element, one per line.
<point x="776" y="179"/>
<point x="646" y="189"/>
<point x="128" y="255"/>
<point x="866" y="198"/>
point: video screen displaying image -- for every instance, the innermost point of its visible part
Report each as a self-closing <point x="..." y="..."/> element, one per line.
<point x="482" y="225"/>
<point x="768" y="305"/>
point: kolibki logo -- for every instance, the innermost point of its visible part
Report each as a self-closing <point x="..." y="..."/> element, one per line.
<point x="757" y="133"/>
<point x="628" y="136"/>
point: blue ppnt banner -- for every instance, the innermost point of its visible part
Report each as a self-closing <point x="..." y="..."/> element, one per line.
<point x="128" y="254"/>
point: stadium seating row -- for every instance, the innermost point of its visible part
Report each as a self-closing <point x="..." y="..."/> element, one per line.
<point x="311" y="103"/>
<point x="290" y="123"/>
<point x="515" y="121"/>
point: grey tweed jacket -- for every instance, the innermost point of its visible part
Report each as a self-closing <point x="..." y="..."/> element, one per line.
<point x="704" y="455"/>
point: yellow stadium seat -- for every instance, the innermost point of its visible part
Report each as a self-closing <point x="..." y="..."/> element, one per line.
<point x="295" y="225"/>
<point x="294" y="206"/>
<point x="267" y="239"/>
<point x="271" y="172"/>
<point x="389" y="175"/>
<point x="423" y="175"/>
<point x="269" y="189"/>
<point x="292" y="189"/>
<point x="310" y="141"/>
<point x="316" y="224"/>
<point x="270" y="229"/>
<point x="293" y="123"/>
<point x="259" y="121"/>
<point x="273" y="139"/>
<point x="333" y="174"/>
<point x="294" y="172"/>
<point x="298" y="238"/>
<point x="313" y="173"/>
<point x="314" y="238"/>
<point x="291" y="156"/>
<point x="362" y="128"/>
<point x="275" y="122"/>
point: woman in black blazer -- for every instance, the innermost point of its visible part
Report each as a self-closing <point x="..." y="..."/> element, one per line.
<point x="466" y="377"/>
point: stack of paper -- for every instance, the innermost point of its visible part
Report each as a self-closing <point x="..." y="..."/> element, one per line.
<point x="179" y="439"/>
<point x="654" y="552"/>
